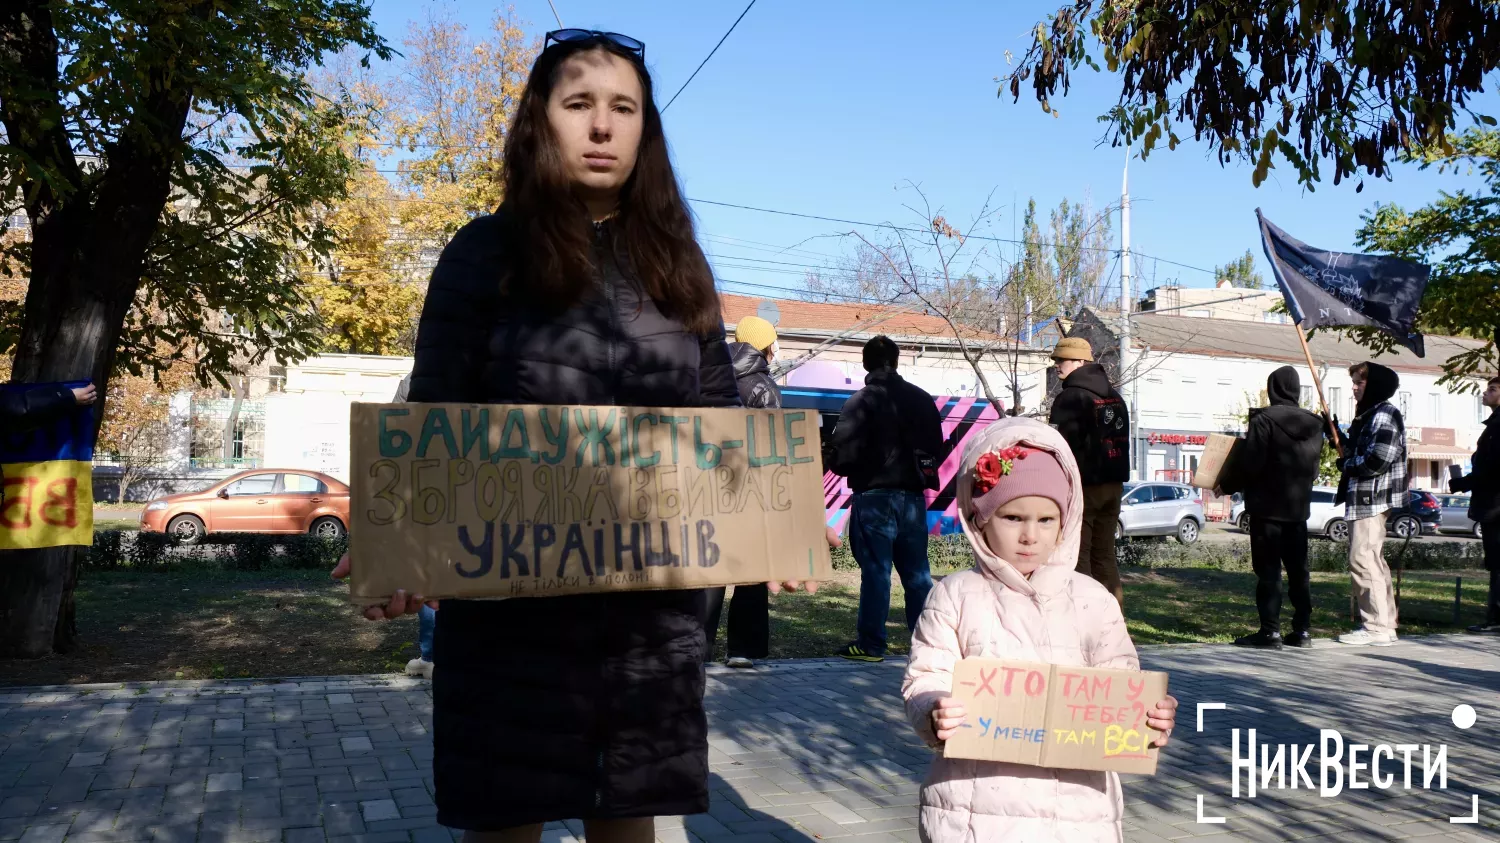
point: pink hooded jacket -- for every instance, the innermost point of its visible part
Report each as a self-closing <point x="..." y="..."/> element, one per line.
<point x="1057" y="616"/>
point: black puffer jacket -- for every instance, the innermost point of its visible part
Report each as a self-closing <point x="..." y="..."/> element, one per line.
<point x="753" y="377"/>
<point x="879" y="430"/>
<point x="564" y="707"/>
<point x="1484" y="481"/>
<point x="1092" y="416"/>
<point x="1277" y="463"/>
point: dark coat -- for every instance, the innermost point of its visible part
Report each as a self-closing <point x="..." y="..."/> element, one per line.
<point x="1092" y="416"/>
<point x="1483" y="483"/>
<point x="753" y="377"/>
<point x="27" y="409"/>
<point x="878" y="431"/>
<point x="586" y="707"/>
<point x="1277" y="464"/>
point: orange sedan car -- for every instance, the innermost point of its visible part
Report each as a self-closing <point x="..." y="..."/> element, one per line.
<point x="260" y="501"/>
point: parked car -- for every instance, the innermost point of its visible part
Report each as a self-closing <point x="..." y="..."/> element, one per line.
<point x="258" y="501"/>
<point x="1419" y="516"/>
<point x="1161" y="509"/>
<point x="1326" y="518"/>
<point x="1456" y="516"/>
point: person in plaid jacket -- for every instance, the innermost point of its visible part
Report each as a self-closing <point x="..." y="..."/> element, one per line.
<point x="1374" y="480"/>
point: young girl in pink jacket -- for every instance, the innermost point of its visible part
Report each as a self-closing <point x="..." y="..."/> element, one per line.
<point x="1020" y="502"/>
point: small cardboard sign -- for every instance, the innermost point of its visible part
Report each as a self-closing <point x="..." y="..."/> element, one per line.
<point x="1217" y="452"/>
<point x="1047" y="715"/>
<point x="528" y="501"/>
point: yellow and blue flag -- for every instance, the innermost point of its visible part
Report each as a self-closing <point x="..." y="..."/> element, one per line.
<point x="48" y="486"/>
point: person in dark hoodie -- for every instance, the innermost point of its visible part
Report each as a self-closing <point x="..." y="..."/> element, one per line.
<point x="1483" y="484"/>
<point x="1092" y="416"/>
<point x="749" y="609"/>
<point x="1374" y="480"/>
<point x="1275" y="467"/>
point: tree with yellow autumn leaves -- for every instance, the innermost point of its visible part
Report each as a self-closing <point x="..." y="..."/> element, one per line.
<point x="429" y="148"/>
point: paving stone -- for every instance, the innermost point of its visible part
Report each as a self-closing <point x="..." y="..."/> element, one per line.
<point x="798" y="749"/>
<point x="379" y="809"/>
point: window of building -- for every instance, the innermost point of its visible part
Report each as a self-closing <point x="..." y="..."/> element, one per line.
<point x="1404" y="400"/>
<point x="1336" y="400"/>
<point x="1307" y="395"/>
<point x="277" y="379"/>
<point x="1434" y="409"/>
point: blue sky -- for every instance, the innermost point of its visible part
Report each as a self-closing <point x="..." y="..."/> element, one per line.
<point x="826" y="107"/>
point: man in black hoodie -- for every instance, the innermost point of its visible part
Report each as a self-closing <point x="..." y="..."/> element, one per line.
<point x="1092" y="416"/>
<point x="1276" y="466"/>
<point x="749" y="609"/>
<point x="888" y="440"/>
<point x="1483" y="484"/>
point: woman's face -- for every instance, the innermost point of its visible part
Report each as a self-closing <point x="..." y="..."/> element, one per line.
<point x="595" y="113"/>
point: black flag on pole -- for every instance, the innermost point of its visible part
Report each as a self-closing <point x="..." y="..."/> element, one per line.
<point x="1328" y="289"/>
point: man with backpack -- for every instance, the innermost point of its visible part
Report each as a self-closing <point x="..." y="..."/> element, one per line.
<point x="888" y="443"/>
<point x="1092" y="416"/>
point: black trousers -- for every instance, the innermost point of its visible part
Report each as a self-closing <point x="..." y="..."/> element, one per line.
<point x="1274" y="545"/>
<point x="749" y="620"/>
<point x="1492" y="563"/>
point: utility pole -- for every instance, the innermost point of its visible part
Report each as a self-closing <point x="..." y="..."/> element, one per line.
<point x="1125" y="302"/>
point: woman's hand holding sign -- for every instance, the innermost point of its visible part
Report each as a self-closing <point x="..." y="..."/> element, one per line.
<point x="399" y="604"/>
<point x="811" y="587"/>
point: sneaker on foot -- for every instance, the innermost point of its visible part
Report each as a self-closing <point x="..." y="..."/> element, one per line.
<point x="414" y="667"/>
<point x="1300" y="640"/>
<point x="855" y="653"/>
<point x="1362" y="637"/>
<point x="1266" y="639"/>
<point x="1486" y="627"/>
<point x="739" y="662"/>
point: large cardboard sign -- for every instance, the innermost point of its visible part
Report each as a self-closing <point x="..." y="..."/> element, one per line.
<point x="1217" y="452"/>
<point x="530" y="501"/>
<point x="1046" y="715"/>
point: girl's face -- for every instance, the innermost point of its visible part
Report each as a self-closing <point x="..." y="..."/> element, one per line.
<point x="595" y="114"/>
<point x="1024" y="532"/>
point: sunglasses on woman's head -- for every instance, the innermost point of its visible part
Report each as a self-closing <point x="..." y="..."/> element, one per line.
<point x="578" y="36"/>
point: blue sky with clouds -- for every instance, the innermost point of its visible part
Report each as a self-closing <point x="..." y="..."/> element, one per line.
<point x="828" y="107"/>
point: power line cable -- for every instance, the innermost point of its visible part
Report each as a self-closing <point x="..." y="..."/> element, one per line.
<point x="710" y="55"/>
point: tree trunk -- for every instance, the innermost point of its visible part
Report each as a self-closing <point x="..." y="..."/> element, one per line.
<point x="232" y="423"/>
<point x="91" y="231"/>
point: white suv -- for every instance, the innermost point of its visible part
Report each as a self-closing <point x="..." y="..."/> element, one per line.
<point x="1326" y="519"/>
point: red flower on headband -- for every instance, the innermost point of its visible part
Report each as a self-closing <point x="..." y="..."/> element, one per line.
<point x="993" y="465"/>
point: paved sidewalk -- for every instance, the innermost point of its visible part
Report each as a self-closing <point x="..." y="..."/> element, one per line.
<point x="810" y="750"/>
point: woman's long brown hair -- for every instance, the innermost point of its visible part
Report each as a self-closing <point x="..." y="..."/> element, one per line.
<point x="549" y="230"/>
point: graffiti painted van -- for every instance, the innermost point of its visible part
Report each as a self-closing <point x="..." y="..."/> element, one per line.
<point x="962" y="418"/>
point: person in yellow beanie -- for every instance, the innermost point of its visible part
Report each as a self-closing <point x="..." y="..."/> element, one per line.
<point x="749" y="609"/>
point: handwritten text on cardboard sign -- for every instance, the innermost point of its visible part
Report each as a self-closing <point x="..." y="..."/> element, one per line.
<point x="564" y="499"/>
<point x="1056" y="715"/>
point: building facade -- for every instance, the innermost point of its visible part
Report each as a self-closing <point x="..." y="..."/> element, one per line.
<point x="1193" y="376"/>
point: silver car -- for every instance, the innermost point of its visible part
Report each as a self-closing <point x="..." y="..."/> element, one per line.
<point x="1456" y="516"/>
<point x="1161" y="509"/>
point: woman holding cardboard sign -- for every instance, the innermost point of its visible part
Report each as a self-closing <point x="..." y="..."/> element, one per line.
<point x="585" y="287"/>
